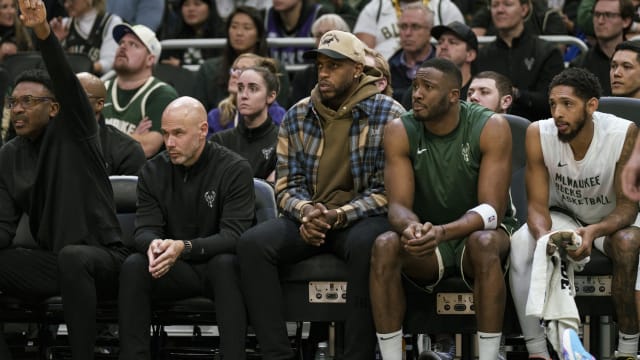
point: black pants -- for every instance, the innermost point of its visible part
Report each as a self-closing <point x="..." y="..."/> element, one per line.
<point x="219" y="276"/>
<point x="262" y="248"/>
<point x="80" y="273"/>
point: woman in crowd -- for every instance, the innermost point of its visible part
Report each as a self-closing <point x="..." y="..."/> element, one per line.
<point x="88" y="30"/>
<point x="245" y="34"/>
<point x="226" y="116"/>
<point x="198" y="20"/>
<point x="256" y="134"/>
<point x="13" y="36"/>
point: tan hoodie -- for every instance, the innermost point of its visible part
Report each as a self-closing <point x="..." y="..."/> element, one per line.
<point x="335" y="181"/>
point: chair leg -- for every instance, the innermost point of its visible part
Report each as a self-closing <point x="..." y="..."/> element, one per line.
<point x="45" y="338"/>
<point x="298" y="340"/>
<point x="4" y="348"/>
<point x="156" y="340"/>
<point x="467" y="346"/>
<point x="339" y="339"/>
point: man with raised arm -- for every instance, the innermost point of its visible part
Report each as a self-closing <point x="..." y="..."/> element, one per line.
<point x="54" y="171"/>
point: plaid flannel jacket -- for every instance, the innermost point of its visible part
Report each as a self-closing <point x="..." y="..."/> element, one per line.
<point x="300" y="145"/>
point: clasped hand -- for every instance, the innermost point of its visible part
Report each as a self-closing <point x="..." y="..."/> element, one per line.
<point x="587" y="234"/>
<point x="421" y="239"/>
<point x="316" y="221"/>
<point x="162" y="254"/>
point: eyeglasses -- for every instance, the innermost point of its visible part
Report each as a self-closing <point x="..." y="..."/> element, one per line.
<point x="413" y="27"/>
<point x="606" y="15"/>
<point x="26" y="101"/>
<point x="235" y="71"/>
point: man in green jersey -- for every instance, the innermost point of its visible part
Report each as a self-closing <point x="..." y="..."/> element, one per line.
<point x="135" y="98"/>
<point x="447" y="173"/>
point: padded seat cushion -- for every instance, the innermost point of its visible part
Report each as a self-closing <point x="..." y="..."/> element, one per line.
<point x="600" y="264"/>
<point x="190" y="305"/>
<point x="324" y="267"/>
<point x="10" y="302"/>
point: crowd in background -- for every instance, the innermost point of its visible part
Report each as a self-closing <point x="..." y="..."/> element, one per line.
<point x="281" y="108"/>
<point x="85" y="26"/>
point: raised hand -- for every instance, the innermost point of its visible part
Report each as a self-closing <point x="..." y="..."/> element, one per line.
<point x="32" y="12"/>
<point x="58" y="27"/>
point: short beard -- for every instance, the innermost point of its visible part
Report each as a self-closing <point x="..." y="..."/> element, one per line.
<point x="566" y="138"/>
<point x="123" y="69"/>
<point x="441" y="108"/>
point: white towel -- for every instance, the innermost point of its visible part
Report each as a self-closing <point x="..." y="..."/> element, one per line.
<point x="551" y="292"/>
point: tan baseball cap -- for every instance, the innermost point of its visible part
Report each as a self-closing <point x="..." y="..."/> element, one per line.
<point x="338" y="44"/>
<point x="143" y="33"/>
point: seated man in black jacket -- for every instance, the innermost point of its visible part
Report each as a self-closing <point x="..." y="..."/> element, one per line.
<point x="122" y="154"/>
<point x="194" y="200"/>
<point x="520" y="55"/>
<point x="54" y="172"/>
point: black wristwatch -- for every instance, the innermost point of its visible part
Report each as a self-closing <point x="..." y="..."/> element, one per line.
<point x="187" y="248"/>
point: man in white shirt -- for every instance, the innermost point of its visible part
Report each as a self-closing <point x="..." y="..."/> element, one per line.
<point x="377" y="25"/>
<point x="574" y="162"/>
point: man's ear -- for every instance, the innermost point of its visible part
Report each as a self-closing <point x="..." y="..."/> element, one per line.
<point x="526" y="8"/>
<point x="454" y="95"/>
<point x="505" y="102"/>
<point x="54" y="109"/>
<point x="471" y="56"/>
<point x="359" y="70"/>
<point x="151" y="60"/>
<point x="592" y="105"/>
<point x="204" y="130"/>
<point x="99" y="104"/>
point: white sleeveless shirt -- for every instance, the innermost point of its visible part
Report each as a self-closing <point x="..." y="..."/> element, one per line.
<point x="586" y="187"/>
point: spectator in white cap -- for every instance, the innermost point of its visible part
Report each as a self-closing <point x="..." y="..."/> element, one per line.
<point x="331" y="196"/>
<point x="135" y="99"/>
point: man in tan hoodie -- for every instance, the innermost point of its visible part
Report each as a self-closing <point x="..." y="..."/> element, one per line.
<point x="330" y="189"/>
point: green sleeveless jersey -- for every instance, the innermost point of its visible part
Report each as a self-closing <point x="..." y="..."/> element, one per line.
<point x="124" y="109"/>
<point x="446" y="168"/>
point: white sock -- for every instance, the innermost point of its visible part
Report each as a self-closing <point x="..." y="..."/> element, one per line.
<point x="488" y="345"/>
<point x="627" y="344"/>
<point x="390" y="345"/>
<point x="537" y="348"/>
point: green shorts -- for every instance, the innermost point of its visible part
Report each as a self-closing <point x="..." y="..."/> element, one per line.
<point x="449" y="255"/>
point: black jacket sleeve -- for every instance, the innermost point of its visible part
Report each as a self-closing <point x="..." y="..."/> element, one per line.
<point x="238" y="205"/>
<point x="79" y="119"/>
<point x="124" y="155"/>
<point x="149" y="221"/>
<point x="131" y="161"/>
<point x="9" y="213"/>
